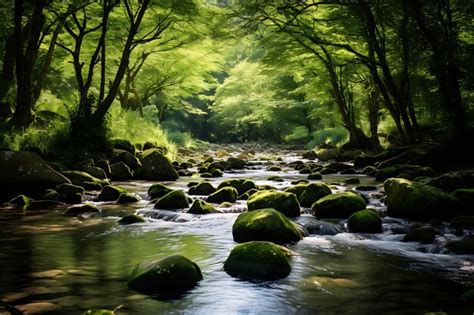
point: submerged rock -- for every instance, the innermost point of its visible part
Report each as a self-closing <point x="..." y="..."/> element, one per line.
<point x="258" y="261"/>
<point x="411" y="200"/>
<point x="365" y="221"/>
<point x="175" y="199"/>
<point x="169" y="276"/>
<point x="265" y="225"/>
<point x="131" y="219"/>
<point x="338" y="206"/>
<point x="424" y="234"/>
<point x="285" y="202"/>
<point x="81" y="209"/>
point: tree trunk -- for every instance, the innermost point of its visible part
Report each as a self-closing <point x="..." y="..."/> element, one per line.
<point x="8" y="68"/>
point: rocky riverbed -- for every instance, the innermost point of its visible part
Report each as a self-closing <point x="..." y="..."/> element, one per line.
<point x="411" y="251"/>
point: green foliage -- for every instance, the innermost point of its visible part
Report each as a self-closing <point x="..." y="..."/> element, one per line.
<point x="335" y="136"/>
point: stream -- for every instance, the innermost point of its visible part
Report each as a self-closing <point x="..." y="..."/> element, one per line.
<point x="57" y="264"/>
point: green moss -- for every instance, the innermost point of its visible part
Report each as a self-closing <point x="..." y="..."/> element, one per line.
<point x="203" y="188"/>
<point x="223" y="194"/>
<point x="265" y="225"/>
<point x="131" y="219"/>
<point x="411" y="200"/>
<point x="83" y="179"/>
<point x="338" y="206"/>
<point x="175" y="199"/>
<point x="99" y="312"/>
<point x="365" y="221"/>
<point x="285" y="202"/>
<point x="312" y="193"/>
<point x="50" y="194"/>
<point x="258" y="260"/>
<point x="21" y="201"/>
<point x="171" y="275"/>
<point x="128" y="198"/>
<point x="158" y="190"/>
<point x="201" y="207"/>
<point x="242" y="185"/>
<point x="297" y="189"/>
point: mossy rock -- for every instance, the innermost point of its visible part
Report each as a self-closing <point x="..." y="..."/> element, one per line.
<point x="128" y="198"/>
<point x="226" y="204"/>
<point x="158" y="190"/>
<point x="365" y="221"/>
<point x="84" y="180"/>
<point x="216" y="172"/>
<point x="338" y="206"/>
<point x="105" y="165"/>
<point x="463" y="223"/>
<point x="169" y="276"/>
<point x="315" y="176"/>
<point x="203" y="189"/>
<point x="410" y="171"/>
<point x="274" y="168"/>
<point x="97" y="172"/>
<point x="229" y="194"/>
<point x="258" y="260"/>
<point x="199" y="206"/>
<point x="120" y="171"/>
<point x="462" y="247"/>
<point x="285" y="202"/>
<point x="275" y="179"/>
<point x="110" y="193"/>
<point x="453" y="181"/>
<point x="155" y="166"/>
<point x="366" y="188"/>
<point x="81" y="209"/>
<point x="21" y="201"/>
<point x="131" y="219"/>
<point x="266" y="187"/>
<point x="242" y="185"/>
<point x="128" y="159"/>
<point x="305" y="170"/>
<point x="416" y="201"/>
<point x="300" y="181"/>
<point x="236" y="163"/>
<point x="265" y="225"/>
<point x="50" y="194"/>
<point x="296" y="189"/>
<point x="327" y="170"/>
<point x="312" y="193"/>
<point x="424" y="234"/>
<point x="206" y="175"/>
<point x="69" y="189"/>
<point x="99" y="312"/>
<point x="123" y="144"/>
<point x="192" y="184"/>
<point x="352" y="181"/>
<point x="175" y="199"/>
<point x="248" y="194"/>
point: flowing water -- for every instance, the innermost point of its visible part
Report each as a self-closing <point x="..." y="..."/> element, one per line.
<point x="66" y="265"/>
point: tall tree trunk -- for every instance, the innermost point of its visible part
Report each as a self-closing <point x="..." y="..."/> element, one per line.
<point x="25" y="60"/>
<point x="8" y="68"/>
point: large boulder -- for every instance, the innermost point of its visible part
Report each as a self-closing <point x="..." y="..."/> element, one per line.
<point x="128" y="158"/>
<point x="225" y="194"/>
<point x="125" y="145"/>
<point x="312" y="193"/>
<point x="416" y="201"/>
<point x="203" y="188"/>
<point x="258" y="261"/>
<point x="285" y="202"/>
<point x="365" y="221"/>
<point x="173" y="200"/>
<point x="96" y="172"/>
<point x="158" y="190"/>
<point x="85" y="180"/>
<point x="338" y="206"/>
<point x="155" y="166"/>
<point x="169" y="276"/>
<point x="407" y="171"/>
<point x="201" y="207"/>
<point x="453" y="181"/>
<point x="26" y="173"/>
<point x="242" y="185"/>
<point x="265" y="225"/>
<point x="120" y="171"/>
<point x="69" y="193"/>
